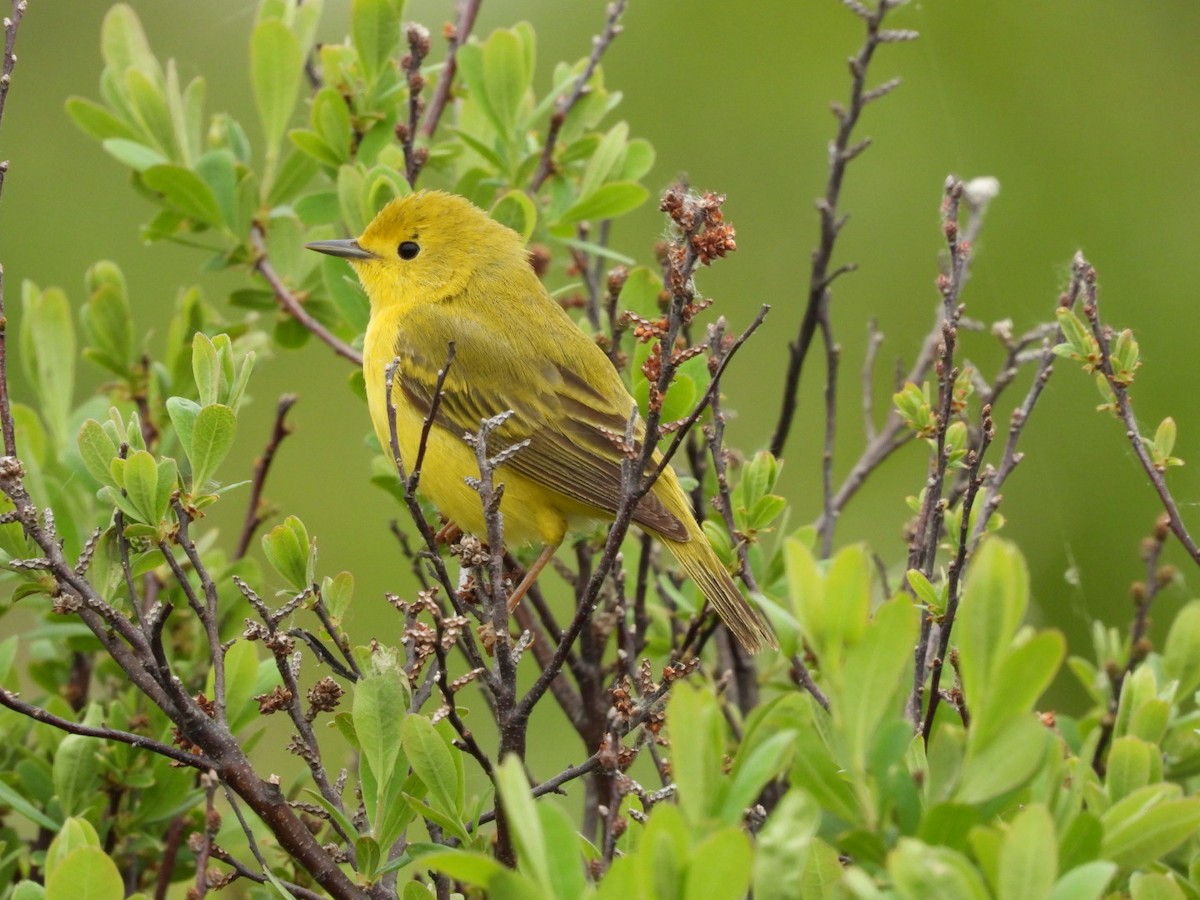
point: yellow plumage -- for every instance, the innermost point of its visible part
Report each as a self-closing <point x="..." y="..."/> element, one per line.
<point x="438" y="270"/>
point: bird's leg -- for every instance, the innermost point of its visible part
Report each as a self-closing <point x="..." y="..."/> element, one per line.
<point x="531" y="575"/>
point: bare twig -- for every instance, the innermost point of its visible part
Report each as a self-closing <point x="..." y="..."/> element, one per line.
<point x="418" y="48"/>
<point x="292" y="304"/>
<point x="194" y="760"/>
<point x="1120" y="390"/>
<point x="467" y="11"/>
<point x="563" y="107"/>
<point x="841" y="152"/>
<point x="255" y="514"/>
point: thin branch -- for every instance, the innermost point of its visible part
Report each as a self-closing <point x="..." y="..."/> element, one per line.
<point x="1120" y="390"/>
<point x="841" y="152"/>
<point x="467" y="11"/>
<point x="832" y="355"/>
<point x="194" y="760"/>
<point x="254" y="512"/>
<point x="563" y="107"/>
<point x="292" y="304"/>
<point x="418" y="49"/>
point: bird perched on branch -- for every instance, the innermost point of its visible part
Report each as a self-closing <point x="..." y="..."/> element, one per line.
<point x="439" y="271"/>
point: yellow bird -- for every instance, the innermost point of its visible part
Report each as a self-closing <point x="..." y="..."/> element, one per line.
<point x="437" y="270"/>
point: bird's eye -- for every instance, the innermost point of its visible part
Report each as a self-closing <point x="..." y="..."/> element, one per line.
<point x="408" y="249"/>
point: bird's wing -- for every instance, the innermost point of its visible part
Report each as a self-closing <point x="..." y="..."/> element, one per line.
<point x="569" y="423"/>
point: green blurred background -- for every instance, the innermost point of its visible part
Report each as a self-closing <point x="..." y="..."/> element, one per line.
<point x="1084" y="109"/>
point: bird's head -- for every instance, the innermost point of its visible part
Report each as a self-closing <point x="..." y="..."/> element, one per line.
<point x="425" y="247"/>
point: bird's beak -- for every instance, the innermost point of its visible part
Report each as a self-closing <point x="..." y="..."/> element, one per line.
<point x="348" y="249"/>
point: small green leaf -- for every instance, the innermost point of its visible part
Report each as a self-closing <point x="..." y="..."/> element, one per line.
<point x="186" y="193"/>
<point x="524" y="821"/>
<point x="47" y="341"/>
<point x="1004" y="763"/>
<point x="1029" y="857"/>
<point x="97" y="450"/>
<point x="76" y="773"/>
<point x="141" y="486"/>
<point x="431" y="759"/>
<point x="218" y="169"/>
<point x="993" y="604"/>
<point x="183" y="413"/>
<point x="134" y="154"/>
<point x="86" y="873"/>
<point x="1147" y="824"/>
<point x="211" y="439"/>
<point x="375" y="27"/>
<point x="97" y="121"/>
<point x="720" y="867"/>
<point x="123" y="42"/>
<point x="515" y="210"/>
<point x="507" y="76"/>
<point x="474" y="868"/>
<point x="1155" y="886"/>
<point x="1181" y="655"/>
<point x="601" y="164"/>
<point x="933" y="873"/>
<point x="289" y="552"/>
<point x="331" y="120"/>
<point x="337" y="593"/>
<point x="276" y="66"/>
<point x="608" y="202"/>
<point x="206" y="369"/>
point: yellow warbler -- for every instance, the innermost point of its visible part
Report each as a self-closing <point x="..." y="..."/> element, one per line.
<point x="438" y="270"/>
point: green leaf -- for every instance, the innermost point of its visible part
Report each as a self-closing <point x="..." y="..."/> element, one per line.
<point x="206" y="368"/>
<point x="752" y="771"/>
<point x="474" y="868"/>
<point x="76" y="773"/>
<point x="141" y="486"/>
<point x="276" y="66"/>
<point x="1029" y="857"/>
<point x="993" y="603"/>
<point x="134" y="154"/>
<point x="933" y="873"/>
<point x="507" y="75"/>
<point x="123" y="42"/>
<point x="314" y="147"/>
<point x="697" y="744"/>
<point x="97" y="450"/>
<point x="337" y="593"/>
<point x="186" y="192"/>
<point x="183" y="413"/>
<point x="47" y="341"/>
<point x="212" y="437"/>
<point x="293" y="177"/>
<point x="20" y="805"/>
<point x="515" y="210"/>
<point x="1084" y="883"/>
<point x="1022" y="676"/>
<point x="1006" y="762"/>
<point x="331" y="120"/>
<point x="149" y="105"/>
<point x="97" y="121"/>
<point x="86" y="873"/>
<point x="608" y="202"/>
<point x="1128" y="766"/>
<point x="1155" y="886"/>
<point x="431" y="759"/>
<point x="720" y="867"/>
<point x="107" y="320"/>
<point x="375" y="28"/>
<point x="289" y="552"/>
<point x="218" y="169"/>
<point x="524" y="821"/>
<point x="601" y="164"/>
<point x="782" y="846"/>
<point x="379" y="710"/>
<point x="1181" y="654"/>
<point x="874" y="667"/>
<point x="1148" y="824"/>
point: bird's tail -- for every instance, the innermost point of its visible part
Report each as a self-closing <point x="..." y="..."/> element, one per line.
<point x="701" y="564"/>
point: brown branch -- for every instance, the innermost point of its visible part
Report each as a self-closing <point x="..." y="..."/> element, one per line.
<point x="467" y="11"/>
<point x="1091" y="309"/>
<point x="254" y="513"/>
<point x="292" y="304"/>
<point x="841" y="152"/>
<point x="194" y="760"/>
<point x="418" y="49"/>
<point x="563" y="107"/>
